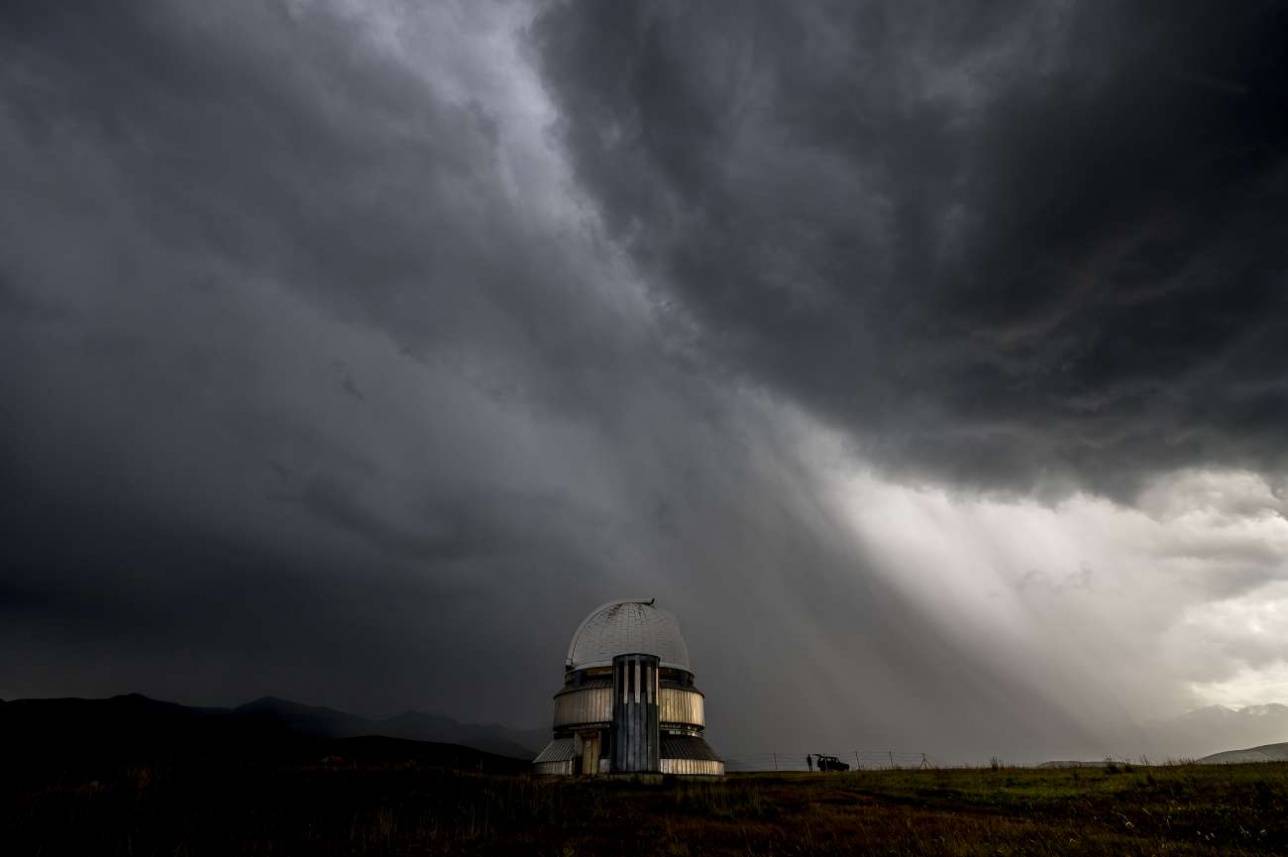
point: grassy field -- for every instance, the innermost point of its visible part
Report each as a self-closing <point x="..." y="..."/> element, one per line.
<point x="339" y="808"/>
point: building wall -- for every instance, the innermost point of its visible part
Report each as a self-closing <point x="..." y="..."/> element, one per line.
<point x="681" y="705"/>
<point x="692" y="767"/>
<point x="584" y="705"/>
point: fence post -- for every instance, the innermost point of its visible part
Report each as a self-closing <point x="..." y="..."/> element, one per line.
<point x="775" y="755"/>
<point x="857" y="763"/>
<point x="890" y="753"/>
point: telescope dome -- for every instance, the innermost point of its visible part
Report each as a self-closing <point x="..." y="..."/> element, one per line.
<point x="628" y="628"/>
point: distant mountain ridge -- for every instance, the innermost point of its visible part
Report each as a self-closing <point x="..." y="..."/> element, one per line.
<point x="1264" y="753"/>
<point x="136" y="718"/>
<point x="1216" y="728"/>
<point x="414" y="725"/>
<point x="55" y="741"/>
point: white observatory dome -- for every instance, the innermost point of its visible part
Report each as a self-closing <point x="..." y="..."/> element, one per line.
<point x="627" y="628"/>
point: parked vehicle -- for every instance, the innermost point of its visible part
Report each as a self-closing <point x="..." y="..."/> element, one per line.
<point x="830" y="763"/>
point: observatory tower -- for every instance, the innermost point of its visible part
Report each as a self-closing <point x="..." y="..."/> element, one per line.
<point x="628" y="704"/>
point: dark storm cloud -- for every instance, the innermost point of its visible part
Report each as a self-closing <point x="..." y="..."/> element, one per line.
<point x="1012" y="244"/>
<point x="306" y="394"/>
<point x="205" y="209"/>
<point x="319" y="378"/>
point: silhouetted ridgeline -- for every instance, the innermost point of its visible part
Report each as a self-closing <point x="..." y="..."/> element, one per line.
<point x="413" y="725"/>
<point x="69" y="736"/>
<point x="1264" y="753"/>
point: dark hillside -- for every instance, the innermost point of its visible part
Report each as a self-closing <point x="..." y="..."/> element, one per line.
<point x="58" y="739"/>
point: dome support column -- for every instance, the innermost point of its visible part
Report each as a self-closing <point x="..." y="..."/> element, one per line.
<point x="636" y="741"/>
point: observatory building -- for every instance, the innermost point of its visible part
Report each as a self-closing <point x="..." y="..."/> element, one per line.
<point x="628" y="704"/>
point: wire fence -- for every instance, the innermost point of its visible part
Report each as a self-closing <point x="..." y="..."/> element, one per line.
<point x="856" y="759"/>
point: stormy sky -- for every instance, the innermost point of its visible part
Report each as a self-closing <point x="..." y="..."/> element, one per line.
<point x="929" y="361"/>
